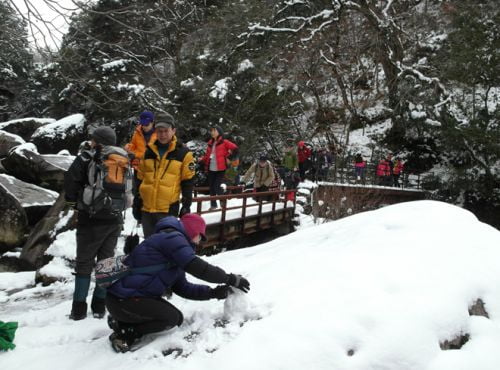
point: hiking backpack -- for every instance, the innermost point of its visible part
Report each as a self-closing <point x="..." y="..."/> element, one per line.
<point x="111" y="269"/>
<point x="109" y="182"/>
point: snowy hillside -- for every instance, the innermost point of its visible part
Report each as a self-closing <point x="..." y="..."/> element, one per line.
<point x="378" y="290"/>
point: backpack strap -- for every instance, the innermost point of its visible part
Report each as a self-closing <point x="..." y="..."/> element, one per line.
<point x="151" y="268"/>
<point x="155" y="268"/>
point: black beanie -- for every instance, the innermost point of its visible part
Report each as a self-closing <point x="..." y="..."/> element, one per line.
<point x="104" y="135"/>
<point x="219" y="129"/>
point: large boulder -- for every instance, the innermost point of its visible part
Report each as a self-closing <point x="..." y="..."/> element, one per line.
<point x="25" y="163"/>
<point x="66" y="133"/>
<point x="25" y="127"/>
<point x="13" y="221"/>
<point x="35" y="200"/>
<point x="57" y="220"/>
<point x="9" y="141"/>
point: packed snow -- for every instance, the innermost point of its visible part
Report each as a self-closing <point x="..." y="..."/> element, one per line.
<point x="377" y="290"/>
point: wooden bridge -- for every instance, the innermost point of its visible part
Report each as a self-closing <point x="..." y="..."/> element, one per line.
<point x="243" y="213"/>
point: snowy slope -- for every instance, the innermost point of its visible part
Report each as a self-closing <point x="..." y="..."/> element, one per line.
<point x="385" y="286"/>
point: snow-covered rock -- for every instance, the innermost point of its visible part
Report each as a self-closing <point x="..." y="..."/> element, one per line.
<point x="35" y="200"/>
<point x="25" y="163"/>
<point x="25" y="127"/>
<point x="9" y="141"/>
<point x="13" y="221"/>
<point x="66" y="133"/>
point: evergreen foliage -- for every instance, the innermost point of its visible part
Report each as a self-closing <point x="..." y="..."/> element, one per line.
<point x="301" y="70"/>
<point x="15" y="61"/>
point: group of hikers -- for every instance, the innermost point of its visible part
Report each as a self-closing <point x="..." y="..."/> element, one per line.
<point x="154" y="173"/>
<point x="97" y="185"/>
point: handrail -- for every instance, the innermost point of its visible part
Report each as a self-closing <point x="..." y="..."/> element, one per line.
<point x="259" y="195"/>
<point x="229" y="189"/>
<point x="276" y="196"/>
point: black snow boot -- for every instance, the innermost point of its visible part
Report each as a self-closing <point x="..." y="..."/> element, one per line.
<point x="98" y="307"/>
<point x="124" y="340"/>
<point x="78" y="311"/>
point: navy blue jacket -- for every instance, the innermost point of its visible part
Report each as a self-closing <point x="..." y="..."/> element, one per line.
<point x="161" y="247"/>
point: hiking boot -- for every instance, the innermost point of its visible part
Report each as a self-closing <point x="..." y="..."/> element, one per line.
<point x="113" y="324"/>
<point x="122" y="343"/>
<point x="118" y="343"/>
<point x="78" y="311"/>
<point x="98" y="308"/>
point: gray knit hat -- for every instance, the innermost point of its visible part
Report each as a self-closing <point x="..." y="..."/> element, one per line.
<point x="104" y="135"/>
<point x="164" y="120"/>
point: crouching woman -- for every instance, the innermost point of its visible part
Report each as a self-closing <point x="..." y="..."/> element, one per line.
<point x="135" y="302"/>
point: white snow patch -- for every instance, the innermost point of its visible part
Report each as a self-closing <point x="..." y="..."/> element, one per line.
<point x="60" y="128"/>
<point x="373" y="283"/>
<point x="220" y="88"/>
<point x="244" y="65"/>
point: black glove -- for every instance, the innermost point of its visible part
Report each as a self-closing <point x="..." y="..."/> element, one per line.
<point x="137" y="208"/>
<point x="239" y="282"/>
<point x="184" y="210"/>
<point x="220" y="291"/>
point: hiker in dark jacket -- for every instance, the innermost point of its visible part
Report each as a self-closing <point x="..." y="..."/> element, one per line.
<point x="97" y="234"/>
<point x="135" y="302"/>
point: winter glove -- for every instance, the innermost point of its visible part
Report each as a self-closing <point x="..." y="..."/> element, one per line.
<point x="220" y="292"/>
<point x="137" y="208"/>
<point x="239" y="282"/>
<point x="184" y="210"/>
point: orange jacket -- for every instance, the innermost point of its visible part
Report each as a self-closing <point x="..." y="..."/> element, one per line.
<point x="398" y="167"/>
<point x="138" y="144"/>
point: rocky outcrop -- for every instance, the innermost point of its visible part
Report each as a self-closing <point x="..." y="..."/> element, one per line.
<point x="25" y="127"/>
<point x="58" y="219"/>
<point x="25" y="163"/>
<point x="13" y="221"/>
<point x="8" y="141"/>
<point x="66" y="133"/>
<point x="35" y="200"/>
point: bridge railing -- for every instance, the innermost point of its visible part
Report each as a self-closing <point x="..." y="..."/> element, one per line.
<point x="262" y="212"/>
<point x="343" y="171"/>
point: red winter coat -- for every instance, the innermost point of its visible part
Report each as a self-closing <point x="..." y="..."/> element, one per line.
<point x="383" y="168"/>
<point x="303" y="154"/>
<point x="223" y="149"/>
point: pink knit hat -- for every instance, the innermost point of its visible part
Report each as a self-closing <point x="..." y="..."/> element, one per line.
<point x="194" y="225"/>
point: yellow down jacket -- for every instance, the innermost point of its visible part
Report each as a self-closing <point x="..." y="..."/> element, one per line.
<point x="164" y="179"/>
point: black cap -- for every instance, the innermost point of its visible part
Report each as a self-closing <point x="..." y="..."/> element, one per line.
<point x="219" y="129"/>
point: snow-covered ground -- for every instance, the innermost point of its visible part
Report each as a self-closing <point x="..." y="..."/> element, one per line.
<point x="377" y="290"/>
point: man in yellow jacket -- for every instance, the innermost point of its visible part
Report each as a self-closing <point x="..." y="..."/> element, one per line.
<point x="165" y="172"/>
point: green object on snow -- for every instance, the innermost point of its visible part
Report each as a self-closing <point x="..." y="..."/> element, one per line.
<point x="7" y="333"/>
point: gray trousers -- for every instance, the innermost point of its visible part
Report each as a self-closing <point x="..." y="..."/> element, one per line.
<point x="94" y="242"/>
<point x="149" y="221"/>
